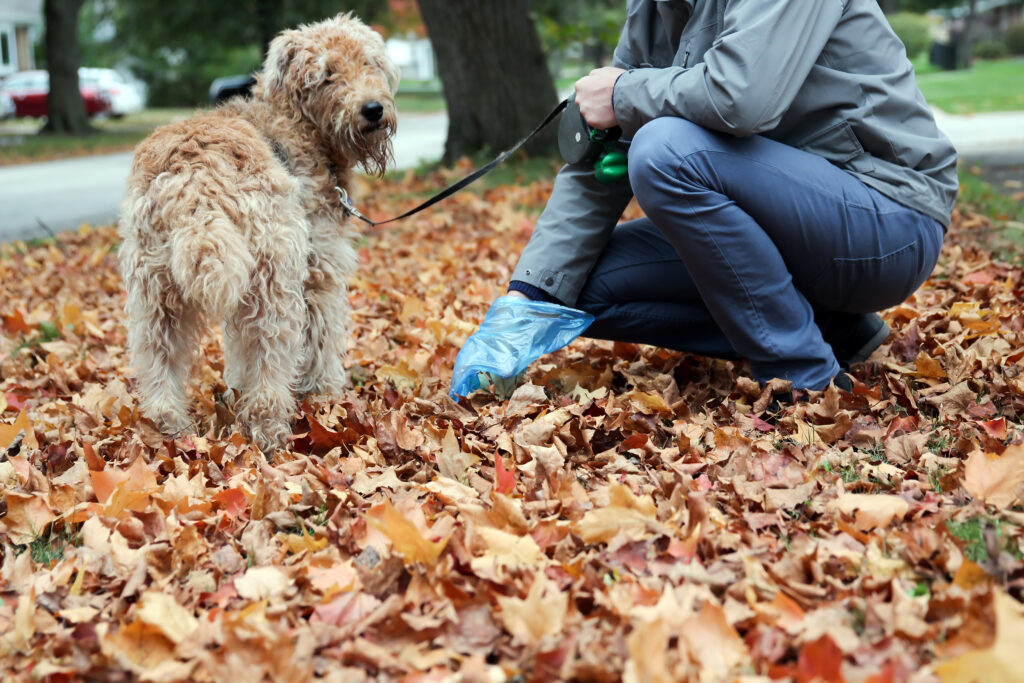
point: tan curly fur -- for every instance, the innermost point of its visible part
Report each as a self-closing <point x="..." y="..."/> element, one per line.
<point x="231" y="216"/>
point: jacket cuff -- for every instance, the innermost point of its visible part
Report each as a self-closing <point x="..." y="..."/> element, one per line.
<point x="534" y="293"/>
<point x="623" y="101"/>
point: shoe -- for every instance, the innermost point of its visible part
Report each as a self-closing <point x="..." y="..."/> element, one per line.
<point x="854" y="337"/>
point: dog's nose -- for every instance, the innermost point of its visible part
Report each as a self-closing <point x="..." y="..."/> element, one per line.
<point x="373" y="111"/>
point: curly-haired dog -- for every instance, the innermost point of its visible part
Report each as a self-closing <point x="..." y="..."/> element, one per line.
<point x="231" y="216"/>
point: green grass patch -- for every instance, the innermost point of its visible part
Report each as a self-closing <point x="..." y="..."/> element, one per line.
<point x="1004" y="236"/>
<point x="989" y="85"/>
<point x="972" y="532"/>
<point x="981" y="197"/>
<point x="49" y="546"/>
<point x="20" y="141"/>
<point x="419" y="103"/>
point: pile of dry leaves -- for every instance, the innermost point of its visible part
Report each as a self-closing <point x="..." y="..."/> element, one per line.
<point x="628" y="513"/>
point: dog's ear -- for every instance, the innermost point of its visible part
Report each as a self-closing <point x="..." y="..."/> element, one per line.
<point x="288" y="59"/>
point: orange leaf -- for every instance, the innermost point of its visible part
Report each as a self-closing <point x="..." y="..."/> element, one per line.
<point x="9" y="432"/>
<point x="404" y="535"/>
<point x="105" y="481"/>
<point x="820" y="661"/>
<point x="27" y="516"/>
<point x="994" y="428"/>
<point x="929" y="367"/>
<point x="504" y="480"/>
<point x="15" y="323"/>
<point x="323" y="439"/>
<point x="233" y="501"/>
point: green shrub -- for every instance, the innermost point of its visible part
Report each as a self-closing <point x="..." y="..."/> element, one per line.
<point x="1014" y="39"/>
<point x="990" y="49"/>
<point x="912" y="29"/>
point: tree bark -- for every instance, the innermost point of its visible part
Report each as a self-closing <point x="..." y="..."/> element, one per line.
<point x="889" y="6"/>
<point x="65" y="108"/>
<point x="496" y="80"/>
<point x="967" y="39"/>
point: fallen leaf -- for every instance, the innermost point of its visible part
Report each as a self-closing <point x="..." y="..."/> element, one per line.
<point x="995" y="479"/>
<point x="262" y="583"/>
<point x="165" y="613"/>
<point x="540" y="614"/>
<point x="999" y="663"/>
<point x="404" y="535"/>
<point x="871" y="510"/>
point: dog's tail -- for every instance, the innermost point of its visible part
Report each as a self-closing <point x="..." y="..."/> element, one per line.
<point x="211" y="263"/>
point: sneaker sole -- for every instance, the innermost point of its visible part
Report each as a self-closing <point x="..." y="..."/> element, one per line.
<point x="864" y="352"/>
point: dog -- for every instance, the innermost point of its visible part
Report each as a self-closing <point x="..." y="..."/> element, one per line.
<point x="232" y="216"/>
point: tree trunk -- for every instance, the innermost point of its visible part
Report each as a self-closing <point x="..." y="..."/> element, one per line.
<point x="496" y="81"/>
<point x="65" y="108"/>
<point x="967" y="39"/>
<point x="889" y="6"/>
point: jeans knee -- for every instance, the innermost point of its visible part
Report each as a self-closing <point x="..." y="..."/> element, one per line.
<point x="658" y="153"/>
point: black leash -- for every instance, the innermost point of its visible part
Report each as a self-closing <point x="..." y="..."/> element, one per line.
<point x="452" y="189"/>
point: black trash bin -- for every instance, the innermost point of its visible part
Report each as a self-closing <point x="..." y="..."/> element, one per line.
<point x="944" y="56"/>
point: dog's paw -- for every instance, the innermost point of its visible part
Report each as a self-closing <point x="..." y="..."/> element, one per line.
<point x="270" y="436"/>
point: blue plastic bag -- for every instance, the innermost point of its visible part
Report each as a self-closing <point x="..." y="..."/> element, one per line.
<point x="515" y="332"/>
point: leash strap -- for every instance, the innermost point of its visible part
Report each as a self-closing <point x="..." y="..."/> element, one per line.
<point x="452" y="189"/>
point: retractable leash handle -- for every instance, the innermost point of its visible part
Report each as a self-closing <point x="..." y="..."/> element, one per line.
<point x="580" y="143"/>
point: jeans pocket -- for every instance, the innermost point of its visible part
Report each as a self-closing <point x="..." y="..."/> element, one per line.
<point x="867" y="284"/>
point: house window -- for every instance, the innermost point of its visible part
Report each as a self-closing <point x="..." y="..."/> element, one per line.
<point x="5" y="49"/>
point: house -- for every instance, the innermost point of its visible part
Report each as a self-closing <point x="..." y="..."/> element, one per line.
<point x="21" y="27"/>
<point x="414" y="56"/>
<point x="992" y="17"/>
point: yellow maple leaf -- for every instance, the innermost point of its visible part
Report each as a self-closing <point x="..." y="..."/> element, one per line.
<point x="404" y="535"/>
<point x="999" y="663"/>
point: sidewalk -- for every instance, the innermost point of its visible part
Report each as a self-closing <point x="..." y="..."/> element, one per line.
<point x="994" y="136"/>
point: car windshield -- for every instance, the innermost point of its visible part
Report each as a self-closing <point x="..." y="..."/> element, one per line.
<point x="19" y="82"/>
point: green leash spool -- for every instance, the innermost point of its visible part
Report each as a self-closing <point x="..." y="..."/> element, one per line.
<point x="580" y="144"/>
<point x="611" y="166"/>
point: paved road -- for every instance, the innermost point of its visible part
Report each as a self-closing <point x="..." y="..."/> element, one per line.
<point x="64" y="194"/>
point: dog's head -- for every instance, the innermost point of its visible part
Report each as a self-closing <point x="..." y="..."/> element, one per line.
<point x="337" y="74"/>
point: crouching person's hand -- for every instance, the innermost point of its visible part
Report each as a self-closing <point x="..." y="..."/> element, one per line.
<point x="515" y="332"/>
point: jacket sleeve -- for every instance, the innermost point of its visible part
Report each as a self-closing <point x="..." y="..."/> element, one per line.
<point x="572" y="231"/>
<point x="763" y="53"/>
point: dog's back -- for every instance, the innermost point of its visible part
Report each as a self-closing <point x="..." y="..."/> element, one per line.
<point x="195" y="204"/>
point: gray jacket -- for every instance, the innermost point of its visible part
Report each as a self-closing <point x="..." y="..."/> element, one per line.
<point x="826" y="76"/>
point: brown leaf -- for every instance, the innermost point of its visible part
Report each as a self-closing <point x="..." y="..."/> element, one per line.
<point x="996" y="479"/>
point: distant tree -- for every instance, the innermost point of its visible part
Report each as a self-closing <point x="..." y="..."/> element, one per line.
<point x="180" y="47"/>
<point x="65" y="108"/>
<point x="497" y="85"/>
<point x="594" y="25"/>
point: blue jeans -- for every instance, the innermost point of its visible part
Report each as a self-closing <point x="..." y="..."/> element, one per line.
<point x="746" y="241"/>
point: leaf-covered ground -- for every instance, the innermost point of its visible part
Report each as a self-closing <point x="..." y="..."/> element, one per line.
<point x="628" y="513"/>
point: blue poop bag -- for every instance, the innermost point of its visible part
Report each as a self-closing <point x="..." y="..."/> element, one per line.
<point x="515" y="332"/>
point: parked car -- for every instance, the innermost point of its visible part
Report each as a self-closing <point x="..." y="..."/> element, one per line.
<point x="30" y="90"/>
<point x="126" y="95"/>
